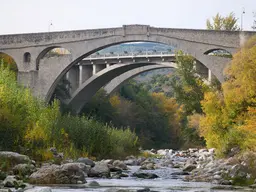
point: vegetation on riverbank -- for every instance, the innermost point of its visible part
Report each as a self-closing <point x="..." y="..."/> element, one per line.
<point x="30" y="126"/>
<point x="161" y="120"/>
<point x="154" y="117"/>
<point x="230" y="113"/>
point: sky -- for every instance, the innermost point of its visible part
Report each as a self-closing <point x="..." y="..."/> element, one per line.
<point x="27" y="16"/>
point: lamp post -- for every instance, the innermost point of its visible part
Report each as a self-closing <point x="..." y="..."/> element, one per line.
<point x="243" y="12"/>
<point x="49" y="27"/>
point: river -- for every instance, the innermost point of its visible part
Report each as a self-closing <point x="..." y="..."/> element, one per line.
<point x="166" y="183"/>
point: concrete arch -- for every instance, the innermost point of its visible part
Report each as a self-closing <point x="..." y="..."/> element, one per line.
<point x="117" y="82"/>
<point x="84" y="93"/>
<point x="83" y="49"/>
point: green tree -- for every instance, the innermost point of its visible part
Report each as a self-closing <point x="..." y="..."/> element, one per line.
<point x="219" y="22"/>
<point x="188" y="87"/>
<point x="61" y="91"/>
<point x="100" y="107"/>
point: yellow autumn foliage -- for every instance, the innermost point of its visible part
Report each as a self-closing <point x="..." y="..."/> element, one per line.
<point x="115" y="100"/>
<point x="230" y="115"/>
<point x="170" y="107"/>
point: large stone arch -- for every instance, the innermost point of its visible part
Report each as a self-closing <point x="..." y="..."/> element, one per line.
<point x="12" y="56"/>
<point x="10" y="60"/>
<point x="83" y="49"/>
<point x="117" y="82"/>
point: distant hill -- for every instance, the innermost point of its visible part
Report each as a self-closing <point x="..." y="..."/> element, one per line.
<point x="137" y="47"/>
<point x="147" y="76"/>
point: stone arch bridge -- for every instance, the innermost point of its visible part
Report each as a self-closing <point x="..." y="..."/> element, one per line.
<point x="42" y="74"/>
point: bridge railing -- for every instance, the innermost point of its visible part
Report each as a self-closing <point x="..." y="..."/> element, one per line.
<point x="129" y="54"/>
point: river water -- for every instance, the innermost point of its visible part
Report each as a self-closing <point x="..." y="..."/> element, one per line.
<point x="166" y="183"/>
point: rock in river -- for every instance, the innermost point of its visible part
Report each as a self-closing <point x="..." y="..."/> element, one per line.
<point x="70" y="173"/>
<point x="145" y="175"/>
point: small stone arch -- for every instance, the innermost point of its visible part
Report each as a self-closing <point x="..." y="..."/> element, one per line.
<point x="51" y="52"/>
<point x="218" y="52"/>
<point x="27" y="57"/>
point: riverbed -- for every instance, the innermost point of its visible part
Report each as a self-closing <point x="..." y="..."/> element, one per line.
<point x="165" y="183"/>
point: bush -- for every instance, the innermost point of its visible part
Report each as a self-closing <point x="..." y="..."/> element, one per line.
<point x="30" y="126"/>
<point x="97" y="139"/>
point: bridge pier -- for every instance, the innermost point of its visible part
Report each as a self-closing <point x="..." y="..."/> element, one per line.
<point x="201" y="70"/>
<point x="209" y="75"/>
<point x="98" y="68"/>
<point x="85" y="72"/>
<point x="73" y="77"/>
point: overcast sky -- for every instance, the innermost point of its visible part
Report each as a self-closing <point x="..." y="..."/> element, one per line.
<point x="25" y="16"/>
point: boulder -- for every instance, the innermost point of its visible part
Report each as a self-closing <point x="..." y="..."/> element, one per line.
<point x="148" y="166"/>
<point x="253" y="186"/>
<point x="167" y="163"/>
<point x="162" y="152"/>
<point x="94" y="184"/>
<point x="131" y="162"/>
<point x="114" y="169"/>
<point x="238" y="171"/>
<point x="108" y="161"/>
<point x="23" y="169"/>
<point x="70" y="173"/>
<point x="180" y="173"/>
<point x="145" y="175"/>
<point x="100" y="169"/>
<point x="189" y="168"/>
<point x="11" y="181"/>
<point x="120" y="164"/>
<point x="10" y="159"/>
<point x="86" y="161"/>
<point x="5" y="190"/>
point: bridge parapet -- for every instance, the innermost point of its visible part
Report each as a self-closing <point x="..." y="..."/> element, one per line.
<point x="229" y="39"/>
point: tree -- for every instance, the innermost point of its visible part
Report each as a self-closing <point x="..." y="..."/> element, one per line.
<point x="230" y="115"/>
<point x="188" y="87"/>
<point x="219" y="22"/>
<point x="61" y="91"/>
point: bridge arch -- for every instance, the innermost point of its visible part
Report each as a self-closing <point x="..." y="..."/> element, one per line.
<point x="46" y="51"/>
<point x="219" y="52"/>
<point x="8" y="59"/>
<point x="117" y="82"/>
<point x="84" y="93"/>
<point x="83" y="49"/>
